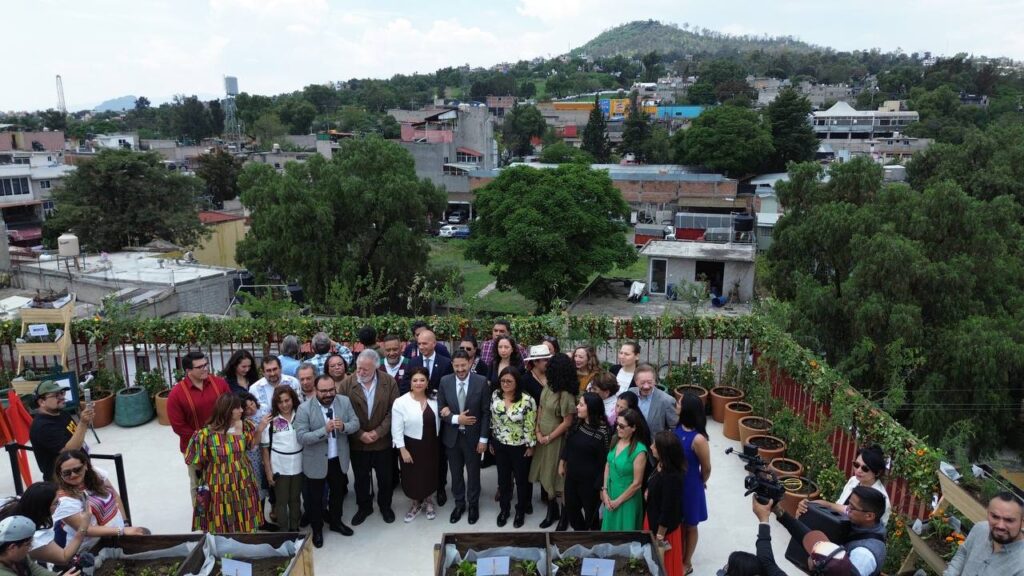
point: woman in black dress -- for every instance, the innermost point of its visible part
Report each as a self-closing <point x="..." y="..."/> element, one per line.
<point x="414" y="427"/>
<point x="664" y="499"/>
<point x="582" y="462"/>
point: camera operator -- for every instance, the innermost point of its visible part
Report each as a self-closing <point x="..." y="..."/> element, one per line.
<point x="865" y="538"/>
<point x="763" y="564"/>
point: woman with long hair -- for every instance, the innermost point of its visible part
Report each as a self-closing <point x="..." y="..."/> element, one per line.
<point x="554" y="417"/>
<point x="414" y="431"/>
<point x="664" y="499"/>
<point x="693" y="436"/>
<point x="606" y="386"/>
<point x="587" y="365"/>
<point x="624" y="473"/>
<point x="228" y="498"/>
<point x="282" y="458"/>
<point x="506" y="354"/>
<point x="536" y="376"/>
<point x="240" y="371"/>
<point x="582" y="463"/>
<point x="628" y="400"/>
<point x="868" y="469"/>
<point x="252" y="409"/>
<point x="37" y="504"/>
<point x="80" y="487"/>
<point x="513" y="437"/>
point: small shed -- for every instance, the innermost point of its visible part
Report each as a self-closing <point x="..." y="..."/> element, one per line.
<point x="724" y="266"/>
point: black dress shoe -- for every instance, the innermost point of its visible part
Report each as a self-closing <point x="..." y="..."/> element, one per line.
<point x="502" y="518"/>
<point x="318" y="539"/>
<point x="519" y="520"/>
<point x="388" y="515"/>
<point x="361" y="515"/>
<point x="303" y="521"/>
<point x="457" y="513"/>
<point x="342" y="529"/>
<point x="474" y="514"/>
<point x="442" y="497"/>
<point x="529" y="509"/>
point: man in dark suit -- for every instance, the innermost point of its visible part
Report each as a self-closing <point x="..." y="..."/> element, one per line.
<point x="428" y="358"/>
<point x="323" y="426"/>
<point x="372" y="393"/>
<point x="463" y="401"/>
<point x="438" y="366"/>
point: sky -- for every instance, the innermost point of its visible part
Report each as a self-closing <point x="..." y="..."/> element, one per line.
<point x="157" y="48"/>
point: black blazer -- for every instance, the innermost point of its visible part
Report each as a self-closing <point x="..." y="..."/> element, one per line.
<point x="664" y="501"/>
<point x="442" y="368"/>
<point x="478" y="403"/>
<point x="615" y="371"/>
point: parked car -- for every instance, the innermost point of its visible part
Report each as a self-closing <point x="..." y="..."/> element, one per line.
<point x="454" y="231"/>
<point x="457" y="217"/>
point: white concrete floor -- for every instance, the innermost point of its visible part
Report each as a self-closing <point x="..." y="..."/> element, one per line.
<point x="159" y="500"/>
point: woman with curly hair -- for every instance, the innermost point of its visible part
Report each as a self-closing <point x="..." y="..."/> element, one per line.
<point x="554" y="417"/>
<point x="587" y="366"/>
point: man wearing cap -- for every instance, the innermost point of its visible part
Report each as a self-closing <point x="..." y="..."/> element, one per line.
<point x="15" y="542"/>
<point x="53" y="430"/>
<point x="995" y="546"/>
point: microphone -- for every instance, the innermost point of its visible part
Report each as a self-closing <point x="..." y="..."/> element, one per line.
<point x="330" y="416"/>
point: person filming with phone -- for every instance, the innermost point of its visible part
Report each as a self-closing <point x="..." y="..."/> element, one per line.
<point x="54" y="430"/>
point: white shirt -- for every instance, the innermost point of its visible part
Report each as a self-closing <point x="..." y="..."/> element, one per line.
<point x="407" y="419"/>
<point x="263" y="391"/>
<point x="332" y="443"/>
<point x="286" y="452"/>
<point x="68" y="506"/>
<point x="428" y="363"/>
<point x="625" y="379"/>
<point x="464" y="386"/>
<point x="370" y="393"/>
<point x="853" y="483"/>
<point x="394" y="371"/>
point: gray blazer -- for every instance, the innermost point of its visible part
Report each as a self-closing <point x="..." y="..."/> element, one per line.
<point x="311" y="430"/>
<point x="478" y="402"/>
<point x="662" y="414"/>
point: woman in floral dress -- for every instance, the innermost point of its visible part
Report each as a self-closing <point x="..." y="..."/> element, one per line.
<point x="228" y="499"/>
<point x="513" y="434"/>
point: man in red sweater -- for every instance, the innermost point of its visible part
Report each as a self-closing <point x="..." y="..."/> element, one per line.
<point x="190" y="403"/>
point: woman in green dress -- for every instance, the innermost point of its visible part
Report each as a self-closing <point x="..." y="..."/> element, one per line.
<point x="624" y="475"/>
<point x="554" y="417"/>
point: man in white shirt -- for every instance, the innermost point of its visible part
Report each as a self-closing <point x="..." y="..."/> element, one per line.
<point x="307" y="382"/>
<point x="263" y="389"/>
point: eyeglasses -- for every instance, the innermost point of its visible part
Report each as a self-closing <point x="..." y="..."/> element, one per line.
<point x="622" y="426"/>
<point x="853" y="508"/>
<point x="466" y="348"/>
<point x="201" y="366"/>
<point x="861" y="467"/>
<point x="72" y="471"/>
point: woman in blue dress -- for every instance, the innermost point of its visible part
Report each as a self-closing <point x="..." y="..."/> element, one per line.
<point x="691" y="432"/>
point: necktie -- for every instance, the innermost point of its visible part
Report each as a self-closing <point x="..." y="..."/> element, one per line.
<point x="429" y="366"/>
<point x="462" y="397"/>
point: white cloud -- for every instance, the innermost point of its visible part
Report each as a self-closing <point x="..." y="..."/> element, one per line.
<point x="552" y="10"/>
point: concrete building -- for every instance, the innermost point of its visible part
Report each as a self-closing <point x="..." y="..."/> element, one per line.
<point x="725" y="267"/>
<point x="821" y="94"/>
<point x="499" y="105"/>
<point x="125" y="141"/>
<point x="225" y="232"/>
<point x="894" y="148"/>
<point x="278" y="158"/>
<point x="48" y="141"/>
<point x="26" y="182"/>
<point x="449" y="145"/>
<point x="843" y="122"/>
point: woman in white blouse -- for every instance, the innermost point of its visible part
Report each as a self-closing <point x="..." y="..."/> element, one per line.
<point x="868" y="468"/>
<point x="414" y="428"/>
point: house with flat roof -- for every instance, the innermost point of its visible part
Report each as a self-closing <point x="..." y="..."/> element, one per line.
<point x="843" y="122"/>
<point x="726" y="267"/>
<point x="26" y="182"/>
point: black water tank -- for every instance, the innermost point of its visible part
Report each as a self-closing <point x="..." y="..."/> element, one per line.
<point x="295" y="291"/>
<point x="743" y="222"/>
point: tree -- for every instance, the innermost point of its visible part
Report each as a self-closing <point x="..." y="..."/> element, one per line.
<point x="191" y="120"/>
<point x="730" y="139"/>
<point x="124" y="198"/>
<point x="635" y="132"/>
<point x="544" y="257"/>
<point x="342" y="225"/>
<point x="653" y="68"/>
<point x="562" y="153"/>
<point x="521" y="124"/>
<point x="297" y="114"/>
<point x="595" y="139"/>
<point x="268" y="128"/>
<point x="54" y="119"/>
<point x="142" y="103"/>
<point x="914" y="294"/>
<point x="216" y="117"/>
<point x="792" y="135"/>
<point x="220" y="170"/>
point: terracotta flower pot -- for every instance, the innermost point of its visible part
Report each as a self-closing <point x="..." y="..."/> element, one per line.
<point x="161" y="407"/>
<point x="807" y="490"/>
<point x="698" y="391"/>
<point x="103" y="411"/>
<point x="768" y="446"/>
<point x="720" y="396"/>
<point x="733" y="412"/>
<point x="785" y="468"/>
<point x="750" y="425"/>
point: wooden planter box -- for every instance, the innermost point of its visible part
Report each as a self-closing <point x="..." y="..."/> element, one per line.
<point x="481" y="541"/>
<point x="930" y="557"/>
<point x="561" y="541"/>
<point x="301" y="564"/>
<point x="960" y="499"/>
<point x="139" y="544"/>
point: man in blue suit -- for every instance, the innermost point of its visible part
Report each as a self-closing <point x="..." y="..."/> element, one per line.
<point x="464" y="403"/>
<point x="428" y="358"/>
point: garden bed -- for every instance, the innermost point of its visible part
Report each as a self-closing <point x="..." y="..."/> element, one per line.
<point x="158" y="567"/>
<point x="459" y="553"/>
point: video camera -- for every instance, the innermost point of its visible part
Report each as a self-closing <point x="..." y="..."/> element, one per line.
<point x="760" y="481"/>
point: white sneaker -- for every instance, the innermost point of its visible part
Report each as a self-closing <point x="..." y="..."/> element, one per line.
<point x="413" y="513"/>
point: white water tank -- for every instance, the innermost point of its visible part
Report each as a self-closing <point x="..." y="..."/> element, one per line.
<point x="67" y="245"/>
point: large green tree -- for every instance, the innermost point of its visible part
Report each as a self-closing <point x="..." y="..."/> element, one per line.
<point x="340" y="225"/>
<point x="636" y="130"/>
<point x="123" y="198"/>
<point x="914" y="293"/>
<point x="595" y="138"/>
<point x="220" y="170"/>
<point x="730" y="139"/>
<point x="792" y="135"/>
<point x="545" y="232"/>
<point x="520" y="126"/>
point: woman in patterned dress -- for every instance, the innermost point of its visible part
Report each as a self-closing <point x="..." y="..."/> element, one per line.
<point x="218" y="451"/>
<point x="81" y="487"/>
<point x="513" y="436"/>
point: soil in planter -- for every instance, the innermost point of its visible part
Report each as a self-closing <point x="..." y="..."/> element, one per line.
<point x="765" y="442"/>
<point x="756" y="423"/>
<point x="805" y="488"/>
<point x="260" y="567"/>
<point x="728" y="392"/>
<point x="942" y="548"/>
<point x="623" y="567"/>
<point x="785" y="466"/>
<point x="158" y="567"/>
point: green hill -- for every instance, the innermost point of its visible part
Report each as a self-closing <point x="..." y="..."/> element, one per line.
<point x="644" y="36"/>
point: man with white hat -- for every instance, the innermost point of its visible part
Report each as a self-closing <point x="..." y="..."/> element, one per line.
<point x="15" y="542"/>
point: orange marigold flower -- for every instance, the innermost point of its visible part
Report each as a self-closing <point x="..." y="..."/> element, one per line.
<point x="949" y="538"/>
<point x="920" y="452"/>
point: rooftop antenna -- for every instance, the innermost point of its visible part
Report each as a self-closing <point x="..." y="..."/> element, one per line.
<point x="60" y="96"/>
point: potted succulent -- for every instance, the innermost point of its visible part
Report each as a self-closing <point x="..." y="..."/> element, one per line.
<point x="101" y="388"/>
<point x="156" y="386"/>
<point x="734" y="411"/>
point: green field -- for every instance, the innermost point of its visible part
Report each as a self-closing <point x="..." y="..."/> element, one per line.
<point x="476" y="277"/>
